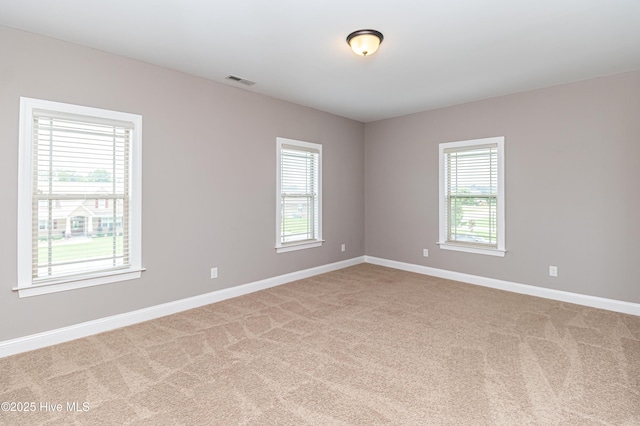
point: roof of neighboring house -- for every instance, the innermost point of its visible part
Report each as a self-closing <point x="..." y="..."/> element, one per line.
<point x="85" y="205"/>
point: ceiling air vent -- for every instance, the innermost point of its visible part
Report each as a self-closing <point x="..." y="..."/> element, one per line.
<point x="240" y="80"/>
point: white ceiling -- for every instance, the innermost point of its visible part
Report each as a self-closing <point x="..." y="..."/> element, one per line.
<point x="435" y="52"/>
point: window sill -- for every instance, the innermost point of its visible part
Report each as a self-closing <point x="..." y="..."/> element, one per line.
<point x="298" y="246"/>
<point x="68" y="284"/>
<point x="476" y="250"/>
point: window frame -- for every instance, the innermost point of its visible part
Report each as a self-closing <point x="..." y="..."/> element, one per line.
<point x="26" y="286"/>
<point x="283" y="247"/>
<point x="500" y="249"/>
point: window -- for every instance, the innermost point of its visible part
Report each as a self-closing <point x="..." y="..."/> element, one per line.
<point x="299" y="195"/>
<point x="472" y="196"/>
<point x="76" y="162"/>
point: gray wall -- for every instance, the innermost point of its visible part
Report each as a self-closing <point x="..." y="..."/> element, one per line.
<point x="208" y="179"/>
<point x="572" y="186"/>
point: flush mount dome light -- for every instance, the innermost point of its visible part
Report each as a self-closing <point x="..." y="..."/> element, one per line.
<point x="365" y="42"/>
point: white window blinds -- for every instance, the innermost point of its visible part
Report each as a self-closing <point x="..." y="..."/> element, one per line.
<point x="299" y="181"/>
<point x="299" y="193"/>
<point x="472" y="195"/>
<point x="81" y="195"/>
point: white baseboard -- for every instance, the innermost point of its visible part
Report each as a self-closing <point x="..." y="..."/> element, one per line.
<point x="547" y="293"/>
<point x="60" y="335"/>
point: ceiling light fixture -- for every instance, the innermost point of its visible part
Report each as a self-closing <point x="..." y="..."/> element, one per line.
<point x="365" y="42"/>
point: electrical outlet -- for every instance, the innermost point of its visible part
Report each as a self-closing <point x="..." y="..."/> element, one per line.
<point x="214" y="273"/>
<point x="343" y="247"/>
<point x="553" y="271"/>
<point x="425" y="252"/>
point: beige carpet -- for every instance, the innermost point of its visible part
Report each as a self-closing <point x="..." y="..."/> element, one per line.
<point x="364" y="345"/>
